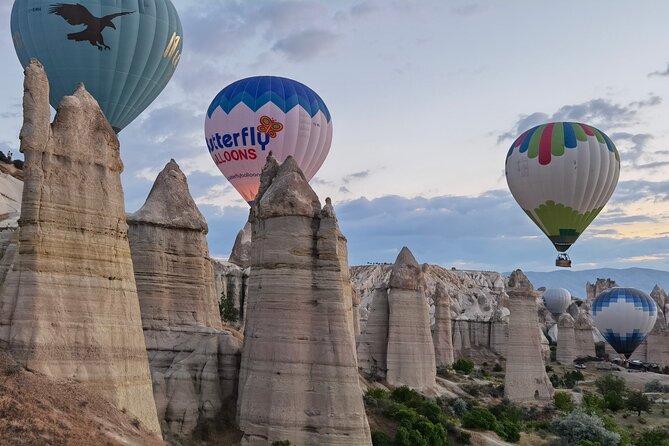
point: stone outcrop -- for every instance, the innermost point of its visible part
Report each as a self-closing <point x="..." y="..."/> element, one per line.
<point x="585" y="341"/>
<point x="566" y="350"/>
<point x="373" y="345"/>
<point x="410" y="359"/>
<point x="69" y="306"/>
<point x="298" y="377"/>
<point x="662" y="300"/>
<point x="194" y="363"/>
<point x="526" y="378"/>
<point x="241" y="251"/>
<point x="593" y="290"/>
<point x="443" y="334"/>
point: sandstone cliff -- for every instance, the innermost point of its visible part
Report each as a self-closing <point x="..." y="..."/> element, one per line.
<point x="526" y="378"/>
<point x="241" y="251"/>
<point x="194" y="363"/>
<point x="298" y="377"/>
<point x="69" y="307"/>
<point x="566" y="350"/>
<point x="443" y="334"/>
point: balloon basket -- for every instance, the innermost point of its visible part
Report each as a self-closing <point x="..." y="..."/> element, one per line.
<point x="563" y="261"/>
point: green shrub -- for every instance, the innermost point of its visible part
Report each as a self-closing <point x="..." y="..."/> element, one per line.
<point x="508" y="411"/>
<point x="444" y="371"/>
<point x="588" y="443"/>
<point x="406" y="396"/>
<point x="593" y="403"/>
<point x="576" y="426"/>
<point x="479" y="418"/>
<point x="563" y="402"/>
<point x="638" y="402"/>
<point x="498" y="368"/>
<point x="381" y="439"/>
<point x="377" y="393"/>
<point x="655" y="437"/>
<point x="472" y="389"/>
<point x="459" y="406"/>
<point x="614" y="401"/>
<point x="463" y="437"/>
<point x="463" y="365"/>
<point x="281" y="443"/>
<point x="509" y="431"/>
<point x="609" y="383"/>
<point x="656" y="386"/>
<point x="227" y="310"/>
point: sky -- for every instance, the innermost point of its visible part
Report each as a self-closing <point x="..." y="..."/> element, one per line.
<point x="426" y="98"/>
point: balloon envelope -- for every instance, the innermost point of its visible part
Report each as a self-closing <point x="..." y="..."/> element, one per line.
<point x="254" y="116"/>
<point x="624" y="316"/>
<point x="557" y="300"/>
<point x="562" y="174"/>
<point x="124" y="51"/>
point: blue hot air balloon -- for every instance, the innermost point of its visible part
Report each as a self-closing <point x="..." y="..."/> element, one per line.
<point x="624" y="316"/>
<point x="124" y="51"/>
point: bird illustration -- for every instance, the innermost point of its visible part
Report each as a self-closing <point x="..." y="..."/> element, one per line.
<point x="77" y="14"/>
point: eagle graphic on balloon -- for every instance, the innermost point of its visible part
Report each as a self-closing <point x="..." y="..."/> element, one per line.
<point x="78" y="15"/>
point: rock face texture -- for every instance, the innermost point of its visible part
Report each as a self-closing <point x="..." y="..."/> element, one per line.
<point x="566" y="350"/>
<point x="585" y="341"/>
<point x="478" y="306"/>
<point x="174" y="274"/>
<point x="526" y="378"/>
<point x="241" y="251"/>
<point x="194" y="363"/>
<point x="410" y="359"/>
<point x="373" y="345"/>
<point x="298" y="378"/>
<point x="443" y="334"/>
<point x="69" y="306"/>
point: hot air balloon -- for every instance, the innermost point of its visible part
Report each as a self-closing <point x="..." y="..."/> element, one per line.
<point x="557" y="300"/>
<point x="624" y="316"/>
<point x="124" y="51"/>
<point x="562" y="174"/>
<point x="253" y="116"/>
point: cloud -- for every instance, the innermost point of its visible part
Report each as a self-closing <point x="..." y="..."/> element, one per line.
<point x="356" y="176"/>
<point x="305" y="45"/>
<point x="664" y="72"/>
<point x="602" y="113"/>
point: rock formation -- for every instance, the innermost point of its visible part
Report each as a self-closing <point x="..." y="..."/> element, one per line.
<point x="443" y="334"/>
<point x="298" y="378"/>
<point x="662" y="300"/>
<point x="241" y="251"/>
<point x="585" y="341"/>
<point x="69" y="306"/>
<point x="477" y="299"/>
<point x="194" y="363"/>
<point x="410" y="359"/>
<point x="373" y="345"/>
<point x="566" y="350"/>
<point x="526" y="378"/>
<point x="593" y="290"/>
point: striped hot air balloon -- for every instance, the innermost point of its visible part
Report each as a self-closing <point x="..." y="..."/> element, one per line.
<point x="562" y="174"/>
<point x="624" y="316"/>
<point x="124" y="51"/>
<point x="254" y="116"/>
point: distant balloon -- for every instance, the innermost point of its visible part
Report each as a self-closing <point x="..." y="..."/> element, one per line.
<point x="124" y="51"/>
<point x="624" y="316"/>
<point x="562" y="174"/>
<point x="254" y="116"/>
<point x="557" y="300"/>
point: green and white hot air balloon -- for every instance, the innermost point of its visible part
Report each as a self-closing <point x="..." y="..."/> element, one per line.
<point x="562" y="174"/>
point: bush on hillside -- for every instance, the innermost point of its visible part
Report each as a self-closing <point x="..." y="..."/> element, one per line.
<point x="610" y="383"/>
<point x="463" y="365"/>
<point x="576" y="426"/>
<point x="563" y="402"/>
<point x="479" y="418"/>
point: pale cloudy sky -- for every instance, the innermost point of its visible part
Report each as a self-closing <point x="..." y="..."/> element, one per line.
<point x="426" y="96"/>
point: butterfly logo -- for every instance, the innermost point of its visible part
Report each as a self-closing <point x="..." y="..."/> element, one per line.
<point x="269" y="126"/>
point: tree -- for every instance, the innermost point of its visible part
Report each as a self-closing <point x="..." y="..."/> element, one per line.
<point x="609" y="383"/>
<point x="577" y="426"/>
<point x="655" y="437"/>
<point x="227" y="309"/>
<point x="463" y="365"/>
<point x="638" y="402"/>
<point x="614" y="401"/>
<point x="563" y="402"/>
<point x="479" y="418"/>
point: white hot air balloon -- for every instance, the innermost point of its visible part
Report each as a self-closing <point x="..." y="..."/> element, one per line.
<point x="557" y="300"/>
